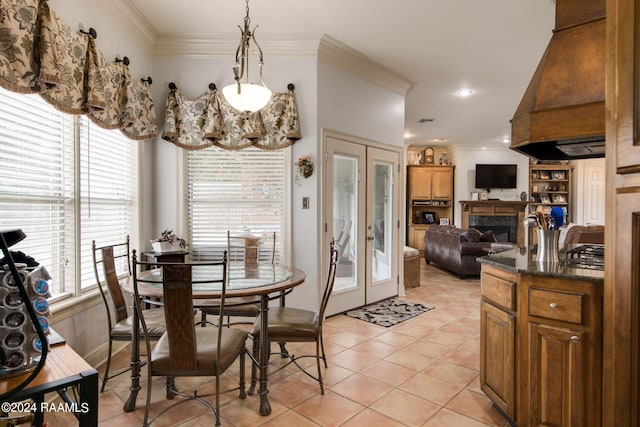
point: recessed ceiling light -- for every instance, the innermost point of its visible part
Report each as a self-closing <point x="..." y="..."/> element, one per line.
<point x="463" y="93"/>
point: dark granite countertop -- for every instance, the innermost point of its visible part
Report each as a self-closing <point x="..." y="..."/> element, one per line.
<point x="523" y="260"/>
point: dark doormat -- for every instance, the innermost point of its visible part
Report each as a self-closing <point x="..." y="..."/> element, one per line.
<point x="388" y="312"/>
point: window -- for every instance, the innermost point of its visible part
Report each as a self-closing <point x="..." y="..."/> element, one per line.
<point x="242" y="191"/>
<point x="65" y="182"/>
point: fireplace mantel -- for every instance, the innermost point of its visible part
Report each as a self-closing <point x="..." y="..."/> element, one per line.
<point x="497" y="208"/>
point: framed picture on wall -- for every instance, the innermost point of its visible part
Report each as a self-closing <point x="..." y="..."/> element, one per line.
<point x="429" y="217"/>
<point x="444" y="221"/>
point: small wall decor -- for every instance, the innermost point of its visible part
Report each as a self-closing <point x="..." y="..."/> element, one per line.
<point x="444" y="221"/>
<point x="305" y="166"/>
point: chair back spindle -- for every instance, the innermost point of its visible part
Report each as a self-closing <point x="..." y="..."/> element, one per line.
<point x="178" y="311"/>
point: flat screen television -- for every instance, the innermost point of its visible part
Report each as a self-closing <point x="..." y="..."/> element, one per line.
<point x="496" y="176"/>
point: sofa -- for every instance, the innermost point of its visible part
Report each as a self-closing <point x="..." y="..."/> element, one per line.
<point x="457" y="249"/>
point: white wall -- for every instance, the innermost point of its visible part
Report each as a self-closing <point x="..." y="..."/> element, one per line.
<point x="465" y="159"/>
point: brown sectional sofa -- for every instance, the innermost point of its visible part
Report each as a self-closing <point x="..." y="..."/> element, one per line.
<point x="456" y="249"/>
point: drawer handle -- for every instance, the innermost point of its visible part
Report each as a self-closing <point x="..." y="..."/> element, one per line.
<point x="553" y="306"/>
<point x="575" y="338"/>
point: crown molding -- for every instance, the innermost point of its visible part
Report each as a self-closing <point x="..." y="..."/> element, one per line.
<point x="223" y="45"/>
<point x="338" y="53"/>
<point x="134" y="20"/>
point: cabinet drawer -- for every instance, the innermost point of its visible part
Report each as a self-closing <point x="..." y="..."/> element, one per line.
<point x="499" y="291"/>
<point x="557" y="305"/>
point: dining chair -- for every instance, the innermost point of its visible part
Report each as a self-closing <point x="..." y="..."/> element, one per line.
<point x="288" y="324"/>
<point x="184" y="350"/>
<point x="111" y="265"/>
<point x="251" y="250"/>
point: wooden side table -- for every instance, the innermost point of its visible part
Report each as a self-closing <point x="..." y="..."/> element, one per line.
<point x="66" y="373"/>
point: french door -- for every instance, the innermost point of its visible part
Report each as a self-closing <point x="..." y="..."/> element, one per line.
<point x="361" y="214"/>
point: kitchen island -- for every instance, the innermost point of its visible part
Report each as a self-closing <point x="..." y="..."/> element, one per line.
<point x="541" y="339"/>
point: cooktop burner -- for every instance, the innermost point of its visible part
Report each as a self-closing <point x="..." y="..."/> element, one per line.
<point x="585" y="256"/>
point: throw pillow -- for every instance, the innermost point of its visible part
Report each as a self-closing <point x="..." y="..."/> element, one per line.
<point x="488" y="236"/>
<point x="471" y="235"/>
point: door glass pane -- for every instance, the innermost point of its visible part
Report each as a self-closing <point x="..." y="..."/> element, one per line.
<point x="382" y="251"/>
<point x="345" y="220"/>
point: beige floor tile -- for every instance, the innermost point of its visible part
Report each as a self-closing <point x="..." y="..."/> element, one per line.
<point x="371" y="418"/>
<point x="447" y="418"/>
<point x="451" y="373"/>
<point x="405" y="407"/>
<point x="328" y="410"/>
<point x="388" y="372"/>
<point x="477" y="406"/>
<point x="362" y="389"/>
<point x="430" y="388"/>
<point x="422" y="372"/>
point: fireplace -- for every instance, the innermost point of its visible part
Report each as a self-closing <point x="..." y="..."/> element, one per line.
<point x="505" y="228"/>
<point x="504" y="218"/>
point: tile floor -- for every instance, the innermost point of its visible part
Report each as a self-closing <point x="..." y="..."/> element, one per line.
<point x="422" y="372"/>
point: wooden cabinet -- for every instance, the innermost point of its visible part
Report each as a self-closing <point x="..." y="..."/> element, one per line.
<point x="561" y="340"/>
<point x="498" y="339"/>
<point x="429" y="199"/>
<point x="415" y="237"/>
<point x="541" y="347"/>
<point x="550" y="185"/>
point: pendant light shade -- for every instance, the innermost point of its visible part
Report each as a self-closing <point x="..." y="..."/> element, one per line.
<point x="246" y="96"/>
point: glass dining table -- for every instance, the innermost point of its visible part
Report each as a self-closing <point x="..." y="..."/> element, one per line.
<point x="263" y="281"/>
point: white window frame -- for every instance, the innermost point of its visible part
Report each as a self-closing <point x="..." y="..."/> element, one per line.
<point x="283" y="238"/>
<point x="78" y="280"/>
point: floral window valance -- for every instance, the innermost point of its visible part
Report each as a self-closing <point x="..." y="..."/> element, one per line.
<point x="41" y="54"/>
<point x="209" y="120"/>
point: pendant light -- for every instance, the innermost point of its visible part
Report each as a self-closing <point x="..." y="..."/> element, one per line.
<point x="246" y="96"/>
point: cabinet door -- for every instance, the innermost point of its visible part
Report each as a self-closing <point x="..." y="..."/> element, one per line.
<point x="441" y="184"/>
<point x="420" y="183"/>
<point x="416" y="237"/>
<point x="497" y="357"/>
<point x="556" y="373"/>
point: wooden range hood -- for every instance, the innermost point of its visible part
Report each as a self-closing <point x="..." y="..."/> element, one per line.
<point x="562" y="114"/>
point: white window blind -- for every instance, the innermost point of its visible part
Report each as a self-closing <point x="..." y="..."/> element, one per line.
<point x="36" y="182"/>
<point x="108" y="188"/>
<point x="241" y="191"/>
<point x="48" y="158"/>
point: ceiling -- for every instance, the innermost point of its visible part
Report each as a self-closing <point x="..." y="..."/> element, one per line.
<point x="490" y="47"/>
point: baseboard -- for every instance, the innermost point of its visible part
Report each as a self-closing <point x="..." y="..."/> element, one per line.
<point x="98" y="356"/>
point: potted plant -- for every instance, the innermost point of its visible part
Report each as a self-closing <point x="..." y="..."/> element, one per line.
<point x="168" y="242"/>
